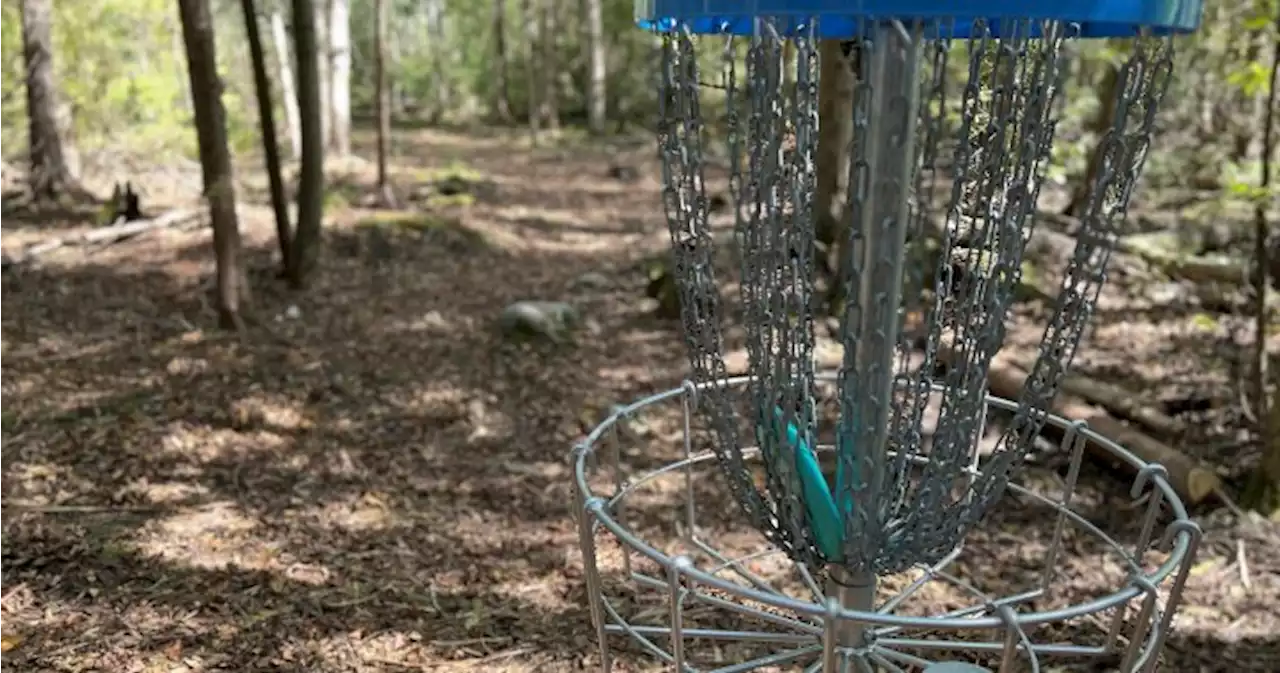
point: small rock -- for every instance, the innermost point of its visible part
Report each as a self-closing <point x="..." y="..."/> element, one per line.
<point x="552" y="320"/>
<point x="293" y="312"/>
<point x="434" y="320"/>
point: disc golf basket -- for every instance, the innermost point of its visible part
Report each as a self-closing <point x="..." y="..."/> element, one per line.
<point x="954" y="110"/>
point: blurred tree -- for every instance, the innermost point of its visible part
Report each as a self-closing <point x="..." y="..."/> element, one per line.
<point x="382" y="101"/>
<point x="340" y="71"/>
<point x="598" y="72"/>
<point x="50" y="177"/>
<point x="835" y="138"/>
<point x="1101" y="122"/>
<point x="501" y="108"/>
<point x="215" y="160"/>
<point x="324" y="63"/>
<point x="306" y="239"/>
<point x="548" y="66"/>
<point x="529" y="16"/>
<point x="288" y="94"/>
<point x="270" y="147"/>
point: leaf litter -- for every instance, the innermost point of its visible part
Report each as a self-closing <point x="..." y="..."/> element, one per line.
<point x="377" y="479"/>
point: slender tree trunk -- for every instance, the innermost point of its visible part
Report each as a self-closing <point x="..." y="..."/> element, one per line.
<point x="528" y="15"/>
<point x="266" y="117"/>
<point x="340" y="72"/>
<point x="306" y="239"/>
<point x="1103" y="120"/>
<point x="550" y="67"/>
<point x="382" y="100"/>
<point x="443" y="95"/>
<point x="597" y="70"/>
<point x="180" y="53"/>
<point x="50" y="174"/>
<point x="836" y="81"/>
<point x="288" y="94"/>
<point x="215" y="159"/>
<point x="1263" y="491"/>
<point x="323" y="61"/>
<point x="502" y="84"/>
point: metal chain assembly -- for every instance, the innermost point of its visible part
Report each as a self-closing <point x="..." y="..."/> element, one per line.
<point x="971" y="119"/>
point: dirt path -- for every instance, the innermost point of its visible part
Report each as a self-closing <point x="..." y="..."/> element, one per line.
<point x="382" y="485"/>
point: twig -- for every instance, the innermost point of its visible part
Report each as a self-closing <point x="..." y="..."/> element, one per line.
<point x="79" y="509"/>
<point x="1230" y="504"/>
<point x="467" y="664"/>
<point x="1242" y="561"/>
<point x="469" y="641"/>
<point x="375" y="659"/>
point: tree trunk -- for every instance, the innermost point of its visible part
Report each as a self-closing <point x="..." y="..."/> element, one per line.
<point x="440" y="58"/>
<point x="50" y="175"/>
<point x="597" y="73"/>
<point x="836" y="82"/>
<point x="1263" y="492"/>
<point x="215" y="159"/>
<point x="1100" y="125"/>
<point x="266" y="117"/>
<point x="323" y="62"/>
<point x="502" y="84"/>
<point x="528" y="14"/>
<point x="382" y="100"/>
<point x="306" y="239"/>
<point x="550" y="66"/>
<point x="340" y="72"/>
<point x="288" y="95"/>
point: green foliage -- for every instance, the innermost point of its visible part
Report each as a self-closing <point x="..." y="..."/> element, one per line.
<point x="122" y="72"/>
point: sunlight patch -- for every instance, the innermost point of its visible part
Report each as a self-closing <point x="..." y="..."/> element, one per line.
<point x="527" y="592"/>
<point x="185" y="442"/>
<point x="212" y="537"/>
<point x="260" y="411"/>
<point x="368" y="512"/>
<point x="161" y="493"/>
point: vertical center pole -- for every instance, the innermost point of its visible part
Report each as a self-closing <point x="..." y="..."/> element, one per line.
<point x="892" y="73"/>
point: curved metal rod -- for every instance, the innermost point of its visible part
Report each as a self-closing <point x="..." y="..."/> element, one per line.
<point x="1181" y="538"/>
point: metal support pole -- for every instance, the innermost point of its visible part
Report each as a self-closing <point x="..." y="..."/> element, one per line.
<point x="854" y="592"/>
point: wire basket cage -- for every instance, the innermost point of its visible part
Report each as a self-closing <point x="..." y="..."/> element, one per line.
<point x="666" y="579"/>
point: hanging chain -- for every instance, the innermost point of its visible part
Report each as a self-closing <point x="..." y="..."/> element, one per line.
<point x="914" y="499"/>
<point x="1144" y="79"/>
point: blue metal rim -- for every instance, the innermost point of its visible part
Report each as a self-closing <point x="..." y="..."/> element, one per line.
<point x="944" y="18"/>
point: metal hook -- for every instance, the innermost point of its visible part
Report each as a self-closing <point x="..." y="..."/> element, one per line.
<point x="579" y="450"/>
<point x="1146" y="475"/>
<point x="1179" y="526"/>
<point x="691" y="393"/>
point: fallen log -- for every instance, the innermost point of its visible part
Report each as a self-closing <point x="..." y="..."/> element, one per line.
<point x="1192" y="481"/>
<point x="1158" y="252"/>
<point x="107" y="235"/>
<point x="119" y="232"/>
<point x="1115" y="400"/>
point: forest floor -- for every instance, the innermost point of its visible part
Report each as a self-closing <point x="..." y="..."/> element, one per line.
<point x="375" y="479"/>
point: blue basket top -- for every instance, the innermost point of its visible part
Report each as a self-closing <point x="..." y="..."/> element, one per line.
<point x="953" y="18"/>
